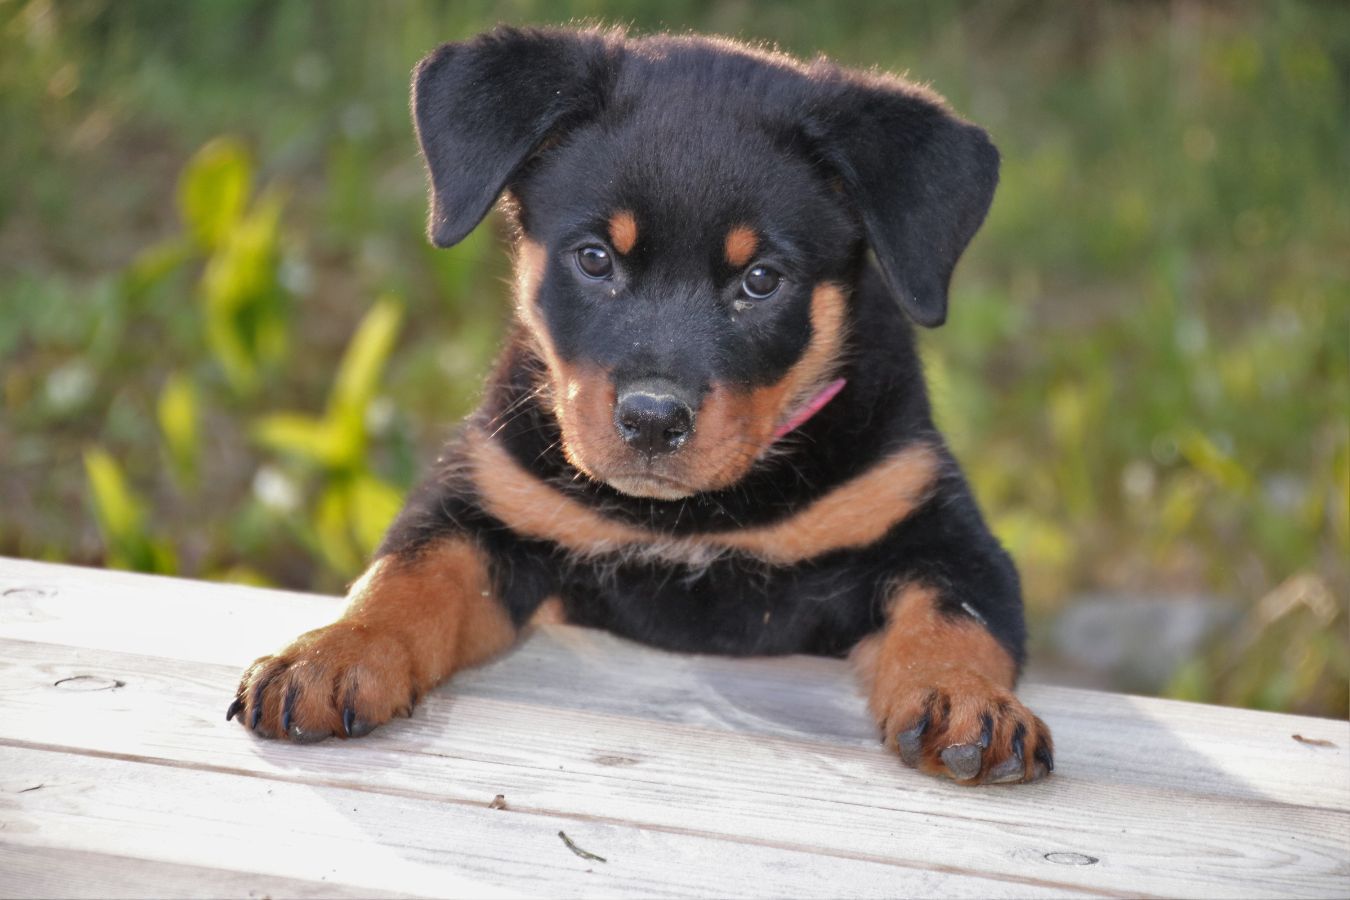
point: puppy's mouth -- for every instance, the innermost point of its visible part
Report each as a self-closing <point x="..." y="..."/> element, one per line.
<point x="652" y="477"/>
<point x="649" y="484"/>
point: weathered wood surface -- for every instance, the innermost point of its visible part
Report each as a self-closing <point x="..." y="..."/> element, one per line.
<point x="692" y="776"/>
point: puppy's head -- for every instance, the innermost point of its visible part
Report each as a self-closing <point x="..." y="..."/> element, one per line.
<point x="692" y="215"/>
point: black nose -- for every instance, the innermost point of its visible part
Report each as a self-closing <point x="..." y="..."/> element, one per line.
<point x="653" y="422"/>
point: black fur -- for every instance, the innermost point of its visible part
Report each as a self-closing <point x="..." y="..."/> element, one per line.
<point x="695" y="135"/>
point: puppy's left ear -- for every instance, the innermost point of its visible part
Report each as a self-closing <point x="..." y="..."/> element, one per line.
<point x="922" y="178"/>
<point x="482" y="107"/>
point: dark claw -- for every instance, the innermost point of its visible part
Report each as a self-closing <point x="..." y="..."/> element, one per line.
<point x="1014" y="768"/>
<point x="286" y="704"/>
<point x="258" y="699"/>
<point x="987" y="731"/>
<point x="234" y="709"/>
<point x="910" y="742"/>
<point x="1045" y="758"/>
<point x="348" y="717"/>
<point x="1018" y="744"/>
<point x="962" y="760"/>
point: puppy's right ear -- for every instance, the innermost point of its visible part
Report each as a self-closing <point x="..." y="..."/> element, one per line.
<point x="483" y="106"/>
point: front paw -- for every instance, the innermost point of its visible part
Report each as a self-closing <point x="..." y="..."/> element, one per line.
<point x="344" y="679"/>
<point x="957" y="723"/>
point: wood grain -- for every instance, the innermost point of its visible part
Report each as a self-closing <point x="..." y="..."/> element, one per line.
<point x="697" y="776"/>
<point x="29" y="871"/>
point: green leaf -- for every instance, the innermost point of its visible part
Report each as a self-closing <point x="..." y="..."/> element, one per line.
<point x="119" y="513"/>
<point x="362" y="363"/>
<point x="179" y="423"/>
<point x="332" y="531"/>
<point x="310" y="439"/>
<point x="245" y="303"/>
<point x="1221" y="468"/>
<point x="214" y="189"/>
<point x="372" y="505"/>
<point x="241" y="574"/>
<point x="121" y="518"/>
<point x="155" y="264"/>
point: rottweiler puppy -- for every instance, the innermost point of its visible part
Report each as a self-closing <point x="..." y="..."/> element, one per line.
<point x="708" y="430"/>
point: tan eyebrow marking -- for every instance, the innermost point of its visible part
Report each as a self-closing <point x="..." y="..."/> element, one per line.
<point x="623" y="231"/>
<point x="741" y="244"/>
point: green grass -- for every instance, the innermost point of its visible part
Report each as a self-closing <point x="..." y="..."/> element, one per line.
<point x="1146" y="370"/>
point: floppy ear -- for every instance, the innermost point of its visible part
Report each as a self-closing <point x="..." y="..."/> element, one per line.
<point x="922" y="178"/>
<point x="483" y="106"/>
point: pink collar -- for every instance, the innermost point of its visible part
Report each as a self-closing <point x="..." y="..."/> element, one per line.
<point x="816" y="404"/>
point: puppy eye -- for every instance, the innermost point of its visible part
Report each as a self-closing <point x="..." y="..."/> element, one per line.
<point x="595" y="262"/>
<point x="761" y="282"/>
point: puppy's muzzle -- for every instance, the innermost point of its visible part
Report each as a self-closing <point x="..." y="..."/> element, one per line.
<point x="652" y="419"/>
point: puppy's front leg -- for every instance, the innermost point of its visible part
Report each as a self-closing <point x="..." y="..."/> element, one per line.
<point x="940" y="688"/>
<point x="414" y="618"/>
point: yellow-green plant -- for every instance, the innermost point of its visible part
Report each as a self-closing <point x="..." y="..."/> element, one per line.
<point x="121" y="518"/>
<point x="177" y="411"/>
<point x="353" y="505"/>
<point x="244" y="300"/>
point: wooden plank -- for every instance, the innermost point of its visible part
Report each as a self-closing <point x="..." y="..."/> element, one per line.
<point x="27" y="871"/>
<point x="199" y="620"/>
<point x="221" y="830"/>
<point x="1189" y="747"/>
<point x="786" y="793"/>
<point x="1253" y="811"/>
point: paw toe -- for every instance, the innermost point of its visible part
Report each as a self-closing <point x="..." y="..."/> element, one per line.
<point x="342" y="680"/>
<point x="973" y="732"/>
<point x="1046" y="757"/>
<point x="1006" y="772"/>
<point x="962" y="760"/>
<point x="306" y="736"/>
<point x="361" y="728"/>
<point x="910" y="742"/>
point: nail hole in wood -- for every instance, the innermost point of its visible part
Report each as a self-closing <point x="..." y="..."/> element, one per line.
<point x="90" y="683"/>
<point x="1065" y="858"/>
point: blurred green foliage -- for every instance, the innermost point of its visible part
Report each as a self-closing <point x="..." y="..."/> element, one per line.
<point x="209" y="209"/>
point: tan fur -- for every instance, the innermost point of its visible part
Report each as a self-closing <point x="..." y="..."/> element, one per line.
<point x="740" y="425"/>
<point x="582" y="396"/>
<point x="734" y="428"/>
<point x="953" y="670"/>
<point x="530" y="507"/>
<point x="853" y="515"/>
<point x="740" y="246"/>
<point x="550" y="612"/>
<point x="829" y="312"/>
<point x="732" y="431"/>
<point x="410" y="623"/>
<point x="623" y="231"/>
<point x="440" y="601"/>
<point x="531" y="259"/>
